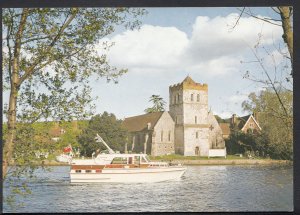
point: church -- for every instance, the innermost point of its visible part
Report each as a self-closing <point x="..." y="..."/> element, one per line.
<point x="188" y="128"/>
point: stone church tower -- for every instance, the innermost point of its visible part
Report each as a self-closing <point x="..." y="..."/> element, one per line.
<point x="189" y="110"/>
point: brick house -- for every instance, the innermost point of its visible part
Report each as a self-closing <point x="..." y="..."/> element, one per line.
<point x="248" y="123"/>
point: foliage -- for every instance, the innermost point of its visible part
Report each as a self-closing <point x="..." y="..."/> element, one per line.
<point x="158" y="104"/>
<point x="49" y="56"/>
<point x="276" y="138"/>
<point x="72" y="131"/>
<point x="249" y="143"/>
<point x="109" y="128"/>
<point x="30" y="140"/>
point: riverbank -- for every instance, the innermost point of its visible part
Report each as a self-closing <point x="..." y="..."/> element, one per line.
<point x="209" y="161"/>
<point x="233" y="162"/>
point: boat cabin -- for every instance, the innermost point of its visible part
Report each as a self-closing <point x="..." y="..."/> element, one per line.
<point x="113" y="161"/>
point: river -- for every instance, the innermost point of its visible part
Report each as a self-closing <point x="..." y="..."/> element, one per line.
<point x="202" y="188"/>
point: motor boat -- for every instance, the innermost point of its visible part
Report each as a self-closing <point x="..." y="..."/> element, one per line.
<point x="122" y="168"/>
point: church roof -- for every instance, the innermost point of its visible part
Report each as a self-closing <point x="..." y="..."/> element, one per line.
<point x="139" y="123"/>
<point x="225" y="127"/>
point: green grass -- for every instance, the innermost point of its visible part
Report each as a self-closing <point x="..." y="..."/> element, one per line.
<point x="181" y="157"/>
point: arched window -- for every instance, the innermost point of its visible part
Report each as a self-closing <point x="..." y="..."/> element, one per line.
<point x="195" y="119"/>
<point x="174" y="101"/>
<point x="169" y="136"/>
<point x="197" y="135"/>
<point x="178" y="98"/>
<point x="161" y="136"/>
<point x="192" y="97"/>
<point x="198" y="97"/>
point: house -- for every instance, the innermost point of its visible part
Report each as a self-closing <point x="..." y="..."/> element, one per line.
<point x="188" y="128"/>
<point x="246" y="124"/>
<point x="56" y="131"/>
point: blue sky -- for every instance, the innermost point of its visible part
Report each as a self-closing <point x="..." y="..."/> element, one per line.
<point x="175" y="42"/>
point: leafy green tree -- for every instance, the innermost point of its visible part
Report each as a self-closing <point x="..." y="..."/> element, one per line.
<point x="109" y="128"/>
<point x="72" y="131"/>
<point x="158" y="104"/>
<point x="276" y="121"/>
<point x="49" y="55"/>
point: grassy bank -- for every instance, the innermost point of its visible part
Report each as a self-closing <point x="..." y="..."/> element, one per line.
<point x="195" y="160"/>
<point x="181" y="157"/>
<point x="229" y="160"/>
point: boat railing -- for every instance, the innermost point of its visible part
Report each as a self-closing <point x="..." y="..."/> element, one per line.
<point x="158" y="164"/>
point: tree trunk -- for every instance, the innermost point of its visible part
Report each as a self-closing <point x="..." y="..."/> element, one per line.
<point x="11" y="134"/>
<point x="14" y="88"/>
<point x="285" y="14"/>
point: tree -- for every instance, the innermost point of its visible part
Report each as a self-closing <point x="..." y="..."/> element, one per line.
<point x="109" y="128"/>
<point x="158" y="104"/>
<point x="277" y="127"/>
<point x="48" y="58"/>
<point x="286" y="16"/>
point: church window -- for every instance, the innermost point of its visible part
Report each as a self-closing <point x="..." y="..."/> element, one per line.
<point x="169" y="136"/>
<point x="192" y="97"/>
<point x="178" y="98"/>
<point x="161" y="136"/>
<point x="195" y="119"/>
<point x="198" y="97"/>
<point x="197" y="134"/>
<point x="174" y="99"/>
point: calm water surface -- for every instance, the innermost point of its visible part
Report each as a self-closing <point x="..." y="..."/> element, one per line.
<point x="202" y="188"/>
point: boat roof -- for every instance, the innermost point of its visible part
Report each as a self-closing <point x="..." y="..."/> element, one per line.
<point x="122" y="155"/>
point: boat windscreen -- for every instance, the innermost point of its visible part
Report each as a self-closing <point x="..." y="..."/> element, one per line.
<point x="147" y="158"/>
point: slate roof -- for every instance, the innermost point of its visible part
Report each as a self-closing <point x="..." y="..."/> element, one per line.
<point x="241" y="121"/>
<point x="139" y="123"/>
<point x="225" y="127"/>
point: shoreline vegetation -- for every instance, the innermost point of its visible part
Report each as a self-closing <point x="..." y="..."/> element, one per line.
<point x="191" y="160"/>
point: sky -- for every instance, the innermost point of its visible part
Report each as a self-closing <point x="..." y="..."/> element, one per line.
<point x="173" y="43"/>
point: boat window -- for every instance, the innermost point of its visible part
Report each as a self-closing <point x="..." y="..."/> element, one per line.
<point x="78" y="171"/>
<point x="119" y="160"/>
<point x="144" y="160"/>
<point x="136" y="159"/>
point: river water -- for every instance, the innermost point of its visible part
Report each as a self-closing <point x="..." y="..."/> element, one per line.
<point x="202" y="188"/>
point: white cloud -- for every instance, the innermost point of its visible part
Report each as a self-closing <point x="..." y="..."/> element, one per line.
<point x="224" y="114"/>
<point x="150" y="47"/>
<point x="214" y="48"/>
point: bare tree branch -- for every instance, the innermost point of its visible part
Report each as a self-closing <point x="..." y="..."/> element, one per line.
<point x="263" y="19"/>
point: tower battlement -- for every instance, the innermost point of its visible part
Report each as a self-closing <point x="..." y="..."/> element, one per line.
<point x="189" y="83"/>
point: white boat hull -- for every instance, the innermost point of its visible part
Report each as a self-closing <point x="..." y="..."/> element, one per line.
<point x="132" y="175"/>
<point x="64" y="158"/>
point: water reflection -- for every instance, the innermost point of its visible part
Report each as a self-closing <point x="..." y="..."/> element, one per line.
<point x="202" y="188"/>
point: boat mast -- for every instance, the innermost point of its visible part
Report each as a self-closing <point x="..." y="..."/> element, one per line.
<point x="100" y="140"/>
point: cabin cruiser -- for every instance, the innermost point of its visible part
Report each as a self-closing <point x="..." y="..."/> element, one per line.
<point x="122" y="168"/>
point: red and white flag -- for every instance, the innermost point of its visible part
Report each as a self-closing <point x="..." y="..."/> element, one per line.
<point x="68" y="149"/>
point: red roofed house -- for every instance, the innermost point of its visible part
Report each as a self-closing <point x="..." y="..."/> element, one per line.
<point x="248" y="123"/>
